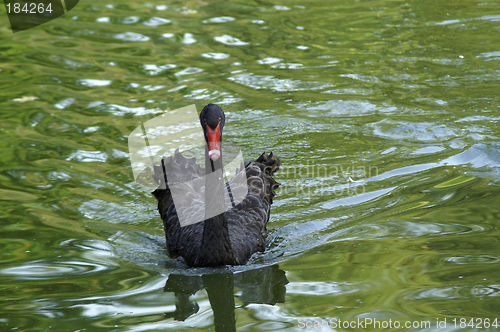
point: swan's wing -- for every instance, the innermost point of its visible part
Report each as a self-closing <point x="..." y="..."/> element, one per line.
<point x="247" y="221"/>
<point x="182" y="171"/>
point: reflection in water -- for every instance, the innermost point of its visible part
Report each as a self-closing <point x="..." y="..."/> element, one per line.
<point x="264" y="286"/>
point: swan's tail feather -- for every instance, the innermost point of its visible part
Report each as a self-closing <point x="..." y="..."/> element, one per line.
<point x="160" y="173"/>
<point x="269" y="164"/>
<point x="270" y="161"/>
<point x="177" y="169"/>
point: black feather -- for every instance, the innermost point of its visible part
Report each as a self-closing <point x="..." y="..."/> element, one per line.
<point x="230" y="238"/>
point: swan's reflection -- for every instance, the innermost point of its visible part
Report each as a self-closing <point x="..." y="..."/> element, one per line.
<point x="265" y="286"/>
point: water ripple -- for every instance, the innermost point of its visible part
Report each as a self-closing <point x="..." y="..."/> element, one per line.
<point x="471" y="259"/>
<point x="43" y="269"/>
<point x="217" y="56"/>
<point x="132" y="37"/>
<point x="269" y="82"/>
<point x="222" y="19"/>
<point x="94" y="82"/>
<point x="156" y="21"/>
<point x="229" y="40"/>
<point x="421" y="131"/>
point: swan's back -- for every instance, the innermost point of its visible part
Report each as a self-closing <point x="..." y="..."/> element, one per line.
<point x="246" y="221"/>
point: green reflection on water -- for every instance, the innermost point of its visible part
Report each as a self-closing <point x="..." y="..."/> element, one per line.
<point x="384" y="114"/>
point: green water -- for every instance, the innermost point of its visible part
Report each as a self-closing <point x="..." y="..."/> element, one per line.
<point x="385" y="115"/>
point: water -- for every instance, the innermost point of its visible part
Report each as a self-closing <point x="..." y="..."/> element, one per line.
<point x="384" y="114"/>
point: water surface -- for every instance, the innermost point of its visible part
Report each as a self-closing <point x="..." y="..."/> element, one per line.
<point x="384" y="114"/>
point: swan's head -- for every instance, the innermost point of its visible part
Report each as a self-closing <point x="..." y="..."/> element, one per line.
<point x="212" y="120"/>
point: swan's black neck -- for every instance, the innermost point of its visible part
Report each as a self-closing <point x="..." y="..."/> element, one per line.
<point x="216" y="247"/>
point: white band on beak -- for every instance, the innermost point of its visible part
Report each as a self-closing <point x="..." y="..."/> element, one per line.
<point x="214" y="154"/>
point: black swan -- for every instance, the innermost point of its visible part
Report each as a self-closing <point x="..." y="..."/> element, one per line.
<point x="231" y="237"/>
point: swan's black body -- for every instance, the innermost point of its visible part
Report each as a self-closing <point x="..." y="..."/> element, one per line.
<point x="229" y="238"/>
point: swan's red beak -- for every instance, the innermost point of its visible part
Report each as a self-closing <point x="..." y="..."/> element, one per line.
<point x="214" y="142"/>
